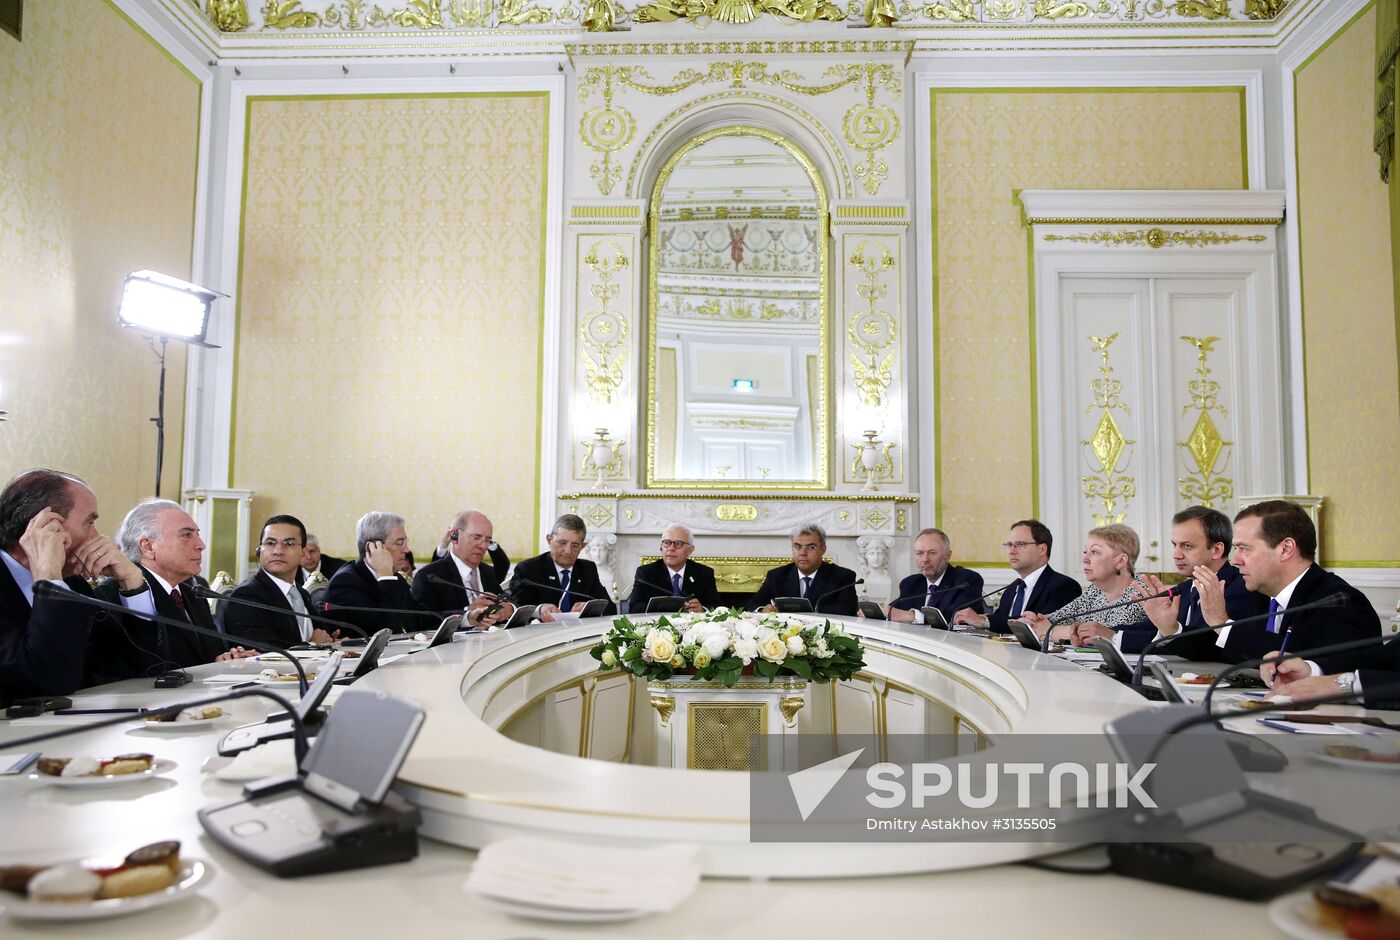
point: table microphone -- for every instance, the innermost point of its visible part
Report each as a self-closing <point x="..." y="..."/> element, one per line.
<point x="1079" y="616"/>
<point x="836" y="590"/>
<point x="1336" y="599"/>
<point x="48" y="589"/>
<point x="667" y="591"/>
<point x="210" y="593"/>
<point x="496" y="600"/>
<point x="1379" y="639"/>
<point x="328" y="607"/>
<point x="298" y="729"/>
<point x="570" y="590"/>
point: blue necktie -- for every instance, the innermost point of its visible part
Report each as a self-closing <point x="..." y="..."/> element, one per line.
<point x="928" y="601"/>
<point x="676" y="583"/>
<point x="564" y="590"/>
<point x="806" y="584"/>
<point x="1018" y="600"/>
<point x="1273" y="621"/>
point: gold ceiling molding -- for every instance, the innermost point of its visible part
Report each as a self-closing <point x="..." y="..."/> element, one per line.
<point x="1156" y="221"/>
<point x="785" y="47"/>
<point x="1072" y="12"/>
<point x="1157" y="238"/>
<point x="730" y="496"/>
<point x="736" y="11"/>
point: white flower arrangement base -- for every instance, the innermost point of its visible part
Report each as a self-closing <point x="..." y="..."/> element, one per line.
<point x="703" y="725"/>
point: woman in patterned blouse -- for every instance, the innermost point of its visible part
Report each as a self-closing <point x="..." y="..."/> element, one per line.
<point x="1109" y="555"/>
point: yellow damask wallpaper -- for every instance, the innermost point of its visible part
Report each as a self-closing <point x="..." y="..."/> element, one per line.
<point x="1349" y="332"/>
<point x="389" y="323"/>
<point x="987" y="145"/>
<point x="97" y="179"/>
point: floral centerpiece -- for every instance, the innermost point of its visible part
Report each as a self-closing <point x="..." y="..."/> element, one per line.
<point x="722" y="643"/>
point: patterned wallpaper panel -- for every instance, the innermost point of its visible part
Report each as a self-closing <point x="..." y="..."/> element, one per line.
<point x="389" y="323"/>
<point x="97" y="179"/>
<point x="988" y="144"/>
<point x="1349" y="326"/>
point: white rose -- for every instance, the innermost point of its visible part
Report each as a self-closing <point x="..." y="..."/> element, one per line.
<point x="661" y="646"/>
<point x="717" y="645"/>
<point x="772" y="648"/>
<point x="609" y="657"/>
<point x="692" y="637"/>
<point x="702" y="659"/>
<point x="746" y="649"/>
<point x="795" y="645"/>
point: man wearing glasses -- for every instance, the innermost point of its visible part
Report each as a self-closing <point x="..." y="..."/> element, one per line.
<point x="1037" y="587"/>
<point x="372" y="579"/>
<point x="829" y="587"/>
<point x="473" y="585"/>
<point x="559" y="580"/>
<point x="279" y="558"/>
<point x="675" y="575"/>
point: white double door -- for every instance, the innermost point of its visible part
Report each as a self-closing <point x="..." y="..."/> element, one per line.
<point x="1157" y="392"/>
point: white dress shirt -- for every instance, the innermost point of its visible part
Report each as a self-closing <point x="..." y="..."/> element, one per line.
<point x="1283" y="597"/>
<point x="142" y="603"/>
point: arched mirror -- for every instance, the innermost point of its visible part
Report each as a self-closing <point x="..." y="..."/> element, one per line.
<point x="737" y="339"/>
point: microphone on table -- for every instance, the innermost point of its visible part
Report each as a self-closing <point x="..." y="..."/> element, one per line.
<point x="1331" y="600"/>
<point x="954" y="588"/>
<point x="1379" y="639"/>
<point x="497" y="601"/>
<point x="836" y="590"/>
<point x="666" y="591"/>
<point x="210" y="593"/>
<point x="1079" y="617"/>
<point x="48" y="589"/>
<point x="298" y="728"/>
<point x="328" y="607"/>
<point x="570" y="591"/>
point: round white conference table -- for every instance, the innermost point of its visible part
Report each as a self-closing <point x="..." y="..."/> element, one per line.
<point x="473" y="784"/>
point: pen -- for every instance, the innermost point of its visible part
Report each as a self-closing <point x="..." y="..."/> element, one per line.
<point x="97" y="711"/>
<point x="242" y="685"/>
<point x="1283" y="646"/>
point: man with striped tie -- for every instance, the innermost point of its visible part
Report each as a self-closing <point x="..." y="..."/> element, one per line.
<point x="1275" y="544"/>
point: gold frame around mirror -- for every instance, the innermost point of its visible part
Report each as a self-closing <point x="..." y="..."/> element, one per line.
<point x="822" y="456"/>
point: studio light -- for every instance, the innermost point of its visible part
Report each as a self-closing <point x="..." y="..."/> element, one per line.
<point x="165" y="308"/>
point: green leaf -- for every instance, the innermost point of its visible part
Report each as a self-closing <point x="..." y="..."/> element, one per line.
<point x="631" y="653"/>
<point x="729" y="678"/>
<point x="765" y="668"/>
<point x="801" y="667"/>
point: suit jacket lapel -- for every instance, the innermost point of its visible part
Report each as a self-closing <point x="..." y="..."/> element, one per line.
<point x="11" y="597"/>
<point x="272" y="589"/>
<point x="1039" y="589"/>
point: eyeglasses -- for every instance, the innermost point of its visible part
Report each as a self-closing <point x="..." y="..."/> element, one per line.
<point x="673" y="543"/>
<point x="809" y="547"/>
<point x="285" y="543"/>
<point x="1017" y="545"/>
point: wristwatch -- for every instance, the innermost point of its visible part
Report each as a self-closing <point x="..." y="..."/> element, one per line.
<point x="134" y="592"/>
<point x="1346" y="680"/>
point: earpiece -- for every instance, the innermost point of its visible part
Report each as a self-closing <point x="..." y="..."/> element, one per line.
<point x="257" y="551"/>
<point x="454" y="535"/>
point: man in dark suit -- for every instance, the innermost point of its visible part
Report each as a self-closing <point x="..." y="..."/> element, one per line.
<point x="279" y="554"/>
<point x="48" y="533"/>
<point x="473" y="587"/>
<point x="164" y="540"/>
<point x="829" y="587"/>
<point x="1038" y="587"/>
<point x="937" y="583"/>
<point x="312" y="560"/>
<point x="495" y="558"/>
<point x="1200" y="550"/>
<point x="561" y="579"/>
<point x="1275" y="543"/>
<point x="676" y="573"/>
<point x="372" y="580"/>
<point x="1371" y="675"/>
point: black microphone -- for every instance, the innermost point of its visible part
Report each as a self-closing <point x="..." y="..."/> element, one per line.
<point x="554" y="587"/>
<point x="993" y="592"/>
<point x="836" y="590"/>
<point x="1331" y="600"/>
<point x="461" y="587"/>
<point x="205" y="592"/>
<point x="1347" y="647"/>
<point x="49" y="589"/>
<point x="665" y="591"/>
<point x="298" y="729"/>
<point x="1079" y="617"/>
<point x="1384" y="692"/>
<point x="328" y="607"/>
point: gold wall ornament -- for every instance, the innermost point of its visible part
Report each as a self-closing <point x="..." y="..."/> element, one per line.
<point x="605" y="129"/>
<point x="1203" y="9"/>
<point x="286" y="15"/>
<point x="603" y="331"/>
<point x="872" y="331"/>
<point x="665" y="705"/>
<point x="900" y="519"/>
<point x="874" y="459"/>
<point x="1263" y="9"/>
<point x="600" y="16"/>
<point x="1157" y="238"/>
<point x="1004" y="9"/>
<point x="736" y="11"/>
<point x="229" y="16"/>
<point x="519" y="13"/>
<point x="880" y="14"/>
<point x="602" y="457"/>
<point x="790" y="706"/>
<point x="1059" y="9"/>
<point x="736" y="512"/>
<point x="871" y="128"/>
<point x="955" y="11"/>
<point x="1207" y="448"/>
<point x="1107" y="444"/>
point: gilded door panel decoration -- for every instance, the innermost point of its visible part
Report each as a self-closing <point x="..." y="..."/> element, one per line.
<point x="1157" y="238"/>
<point x="872" y="330"/>
<point x="603" y="329"/>
<point x="1208" y="450"/>
<point x="1108" y="447"/>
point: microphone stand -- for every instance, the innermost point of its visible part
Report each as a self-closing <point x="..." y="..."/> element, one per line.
<point x="1347" y="647"/>
<point x="298" y="729"/>
<point x="46" y="589"/>
<point x="1079" y="617"/>
<point x="210" y="593"/>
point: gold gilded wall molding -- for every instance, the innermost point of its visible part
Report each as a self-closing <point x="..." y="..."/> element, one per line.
<point x="872" y="331"/>
<point x="736" y="11"/>
<point x="1086" y="12"/>
<point x="602" y="330"/>
<point x="1157" y="238"/>
<point x="886" y="468"/>
<point x="786" y="47"/>
<point x="1108" y="484"/>
<point x="1205" y="445"/>
<point x="749" y="497"/>
<point x="1150" y="221"/>
<point x="604" y="129"/>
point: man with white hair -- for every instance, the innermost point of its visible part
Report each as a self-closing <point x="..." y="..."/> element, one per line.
<point x="461" y="580"/>
<point x="372" y="579"/>
<point x="829" y="587"/>
<point x="314" y="560"/>
<point x="164" y="542"/>
<point x="674" y="575"/>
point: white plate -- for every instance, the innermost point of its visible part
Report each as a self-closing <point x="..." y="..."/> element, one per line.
<point x="180" y="725"/>
<point x="1323" y="757"/>
<point x="158" y="767"/>
<point x="1296" y="915"/>
<point x="193" y="874"/>
<point x="558" y="915"/>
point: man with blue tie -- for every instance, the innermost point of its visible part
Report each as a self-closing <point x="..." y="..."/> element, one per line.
<point x="937" y="583"/>
<point x="1038" y="587"/>
<point x="675" y="569"/>
<point x="830" y="587"/>
<point x="1200" y="550"/>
